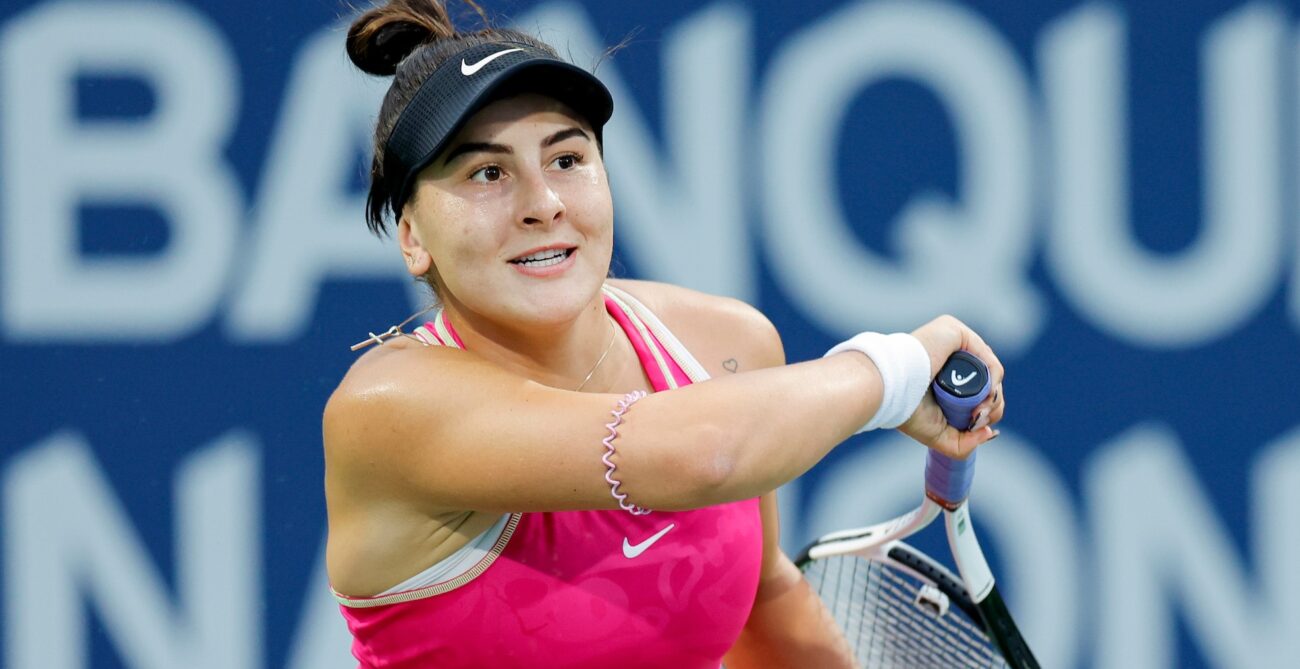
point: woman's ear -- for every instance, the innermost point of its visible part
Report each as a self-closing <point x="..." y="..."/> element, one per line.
<point x="418" y="260"/>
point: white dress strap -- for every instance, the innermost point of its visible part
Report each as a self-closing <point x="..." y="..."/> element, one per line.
<point x="675" y="348"/>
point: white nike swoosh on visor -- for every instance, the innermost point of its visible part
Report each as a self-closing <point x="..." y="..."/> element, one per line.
<point x="630" y="551"/>
<point x="467" y="69"/>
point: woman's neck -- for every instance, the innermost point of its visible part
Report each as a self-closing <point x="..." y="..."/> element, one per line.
<point x="560" y="355"/>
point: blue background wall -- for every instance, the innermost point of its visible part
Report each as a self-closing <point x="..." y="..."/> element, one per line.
<point x="1106" y="190"/>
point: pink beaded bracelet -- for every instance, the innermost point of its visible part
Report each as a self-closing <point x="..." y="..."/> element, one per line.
<point x="623" y="405"/>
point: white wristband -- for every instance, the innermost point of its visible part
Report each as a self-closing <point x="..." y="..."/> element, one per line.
<point x="904" y="368"/>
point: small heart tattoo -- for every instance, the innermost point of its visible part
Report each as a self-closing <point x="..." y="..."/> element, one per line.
<point x="730" y="365"/>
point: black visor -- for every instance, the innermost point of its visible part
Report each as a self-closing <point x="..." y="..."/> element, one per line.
<point x="466" y="83"/>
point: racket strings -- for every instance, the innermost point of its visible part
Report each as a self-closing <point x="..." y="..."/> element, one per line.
<point x="875" y="605"/>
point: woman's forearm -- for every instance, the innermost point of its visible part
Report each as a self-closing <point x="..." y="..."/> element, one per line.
<point x="747" y="434"/>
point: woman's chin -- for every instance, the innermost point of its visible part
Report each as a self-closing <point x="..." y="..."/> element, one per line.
<point x="555" y="303"/>
<point x="556" y="307"/>
<point x="517" y="302"/>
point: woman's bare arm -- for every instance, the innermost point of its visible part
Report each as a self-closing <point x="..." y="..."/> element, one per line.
<point x="455" y="431"/>
<point x="447" y="427"/>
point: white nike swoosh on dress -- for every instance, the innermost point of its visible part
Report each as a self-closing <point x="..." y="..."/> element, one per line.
<point x="467" y="69"/>
<point x="630" y="551"/>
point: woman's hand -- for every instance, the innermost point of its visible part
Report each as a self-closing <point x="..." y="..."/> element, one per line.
<point x="941" y="338"/>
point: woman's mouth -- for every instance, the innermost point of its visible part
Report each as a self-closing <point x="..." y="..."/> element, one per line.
<point x="546" y="262"/>
<point x="542" y="259"/>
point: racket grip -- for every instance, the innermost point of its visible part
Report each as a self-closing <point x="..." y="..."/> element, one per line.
<point x="960" y="386"/>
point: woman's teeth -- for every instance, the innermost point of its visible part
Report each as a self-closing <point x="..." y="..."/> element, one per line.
<point x="544" y="258"/>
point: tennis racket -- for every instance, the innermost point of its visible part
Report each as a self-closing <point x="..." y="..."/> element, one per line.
<point x="897" y="606"/>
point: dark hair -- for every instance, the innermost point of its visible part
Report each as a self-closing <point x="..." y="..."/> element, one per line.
<point x="408" y="40"/>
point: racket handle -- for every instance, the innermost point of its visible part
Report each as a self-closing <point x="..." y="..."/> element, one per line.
<point x="961" y="385"/>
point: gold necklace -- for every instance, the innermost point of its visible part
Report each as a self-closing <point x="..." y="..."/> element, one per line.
<point x="608" y="348"/>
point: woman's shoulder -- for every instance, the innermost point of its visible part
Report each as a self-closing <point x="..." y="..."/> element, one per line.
<point x="392" y="378"/>
<point x="395" y="360"/>
<point x="711" y="325"/>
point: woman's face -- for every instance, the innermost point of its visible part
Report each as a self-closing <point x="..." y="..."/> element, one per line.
<point x="515" y="217"/>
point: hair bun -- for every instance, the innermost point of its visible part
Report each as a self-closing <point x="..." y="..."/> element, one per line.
<point x="380" y="38"/>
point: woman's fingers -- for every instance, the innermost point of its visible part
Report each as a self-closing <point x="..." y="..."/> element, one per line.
<point x="993" y="407"/>
<point x="958" y="444"/>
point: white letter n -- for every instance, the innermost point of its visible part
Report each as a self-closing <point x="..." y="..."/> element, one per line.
<point x="67" y="537"/>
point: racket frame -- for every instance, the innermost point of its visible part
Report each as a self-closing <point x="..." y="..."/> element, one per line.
<point x="976" y="592"/>
<point x="875" y="541"/>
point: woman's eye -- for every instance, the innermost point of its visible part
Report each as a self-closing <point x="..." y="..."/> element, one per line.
<point x="567" y="161"/>
<point x="488" y="173"/>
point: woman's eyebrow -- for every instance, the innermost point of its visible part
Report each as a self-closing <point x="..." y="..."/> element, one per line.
<point x="475" y="147"/>
<point x="565" y="134"/>
<point x="487" y="147"/>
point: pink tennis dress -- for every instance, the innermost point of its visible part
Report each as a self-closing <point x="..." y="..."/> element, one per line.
<point x="581" y="589"/>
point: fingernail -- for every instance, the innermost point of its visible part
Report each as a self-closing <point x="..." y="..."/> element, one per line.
<point x="995" y="436"/>
<point x="981" y="420"/>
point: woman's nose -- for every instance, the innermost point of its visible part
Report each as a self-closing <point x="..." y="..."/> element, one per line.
<point x="539" y="203"/>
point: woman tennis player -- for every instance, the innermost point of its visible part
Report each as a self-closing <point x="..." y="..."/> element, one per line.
<point x="559" y="469"/>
